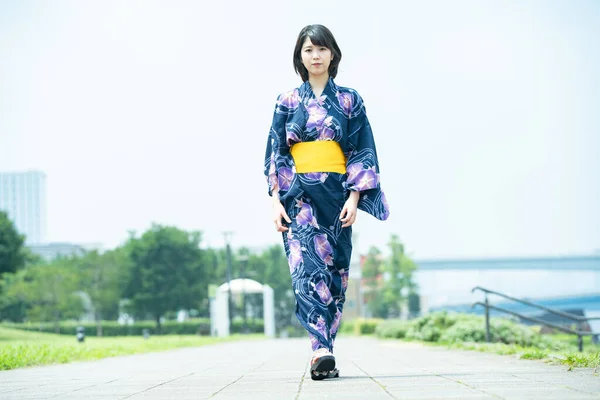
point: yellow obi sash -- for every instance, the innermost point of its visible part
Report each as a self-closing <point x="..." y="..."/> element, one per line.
<point x="319" y="156"/>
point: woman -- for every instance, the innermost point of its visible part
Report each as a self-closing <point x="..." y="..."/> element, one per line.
<point x="321" y="166"/>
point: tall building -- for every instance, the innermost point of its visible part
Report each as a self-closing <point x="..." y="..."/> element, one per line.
<point x="23" y="198"/>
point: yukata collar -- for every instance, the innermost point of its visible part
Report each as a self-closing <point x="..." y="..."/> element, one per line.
<point x="330" y="89"/>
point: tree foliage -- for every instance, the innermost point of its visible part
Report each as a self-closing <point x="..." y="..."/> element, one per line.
<point x="48" y="292"/>
<point x="12" y="253"/>
<point x="166" y="272"/>
<point x="389" y="281"/>
<point x="100" y="280"/>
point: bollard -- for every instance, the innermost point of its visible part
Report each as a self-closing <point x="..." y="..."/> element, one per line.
<point x="80" y="334"/>
<point x="146" y="333"/>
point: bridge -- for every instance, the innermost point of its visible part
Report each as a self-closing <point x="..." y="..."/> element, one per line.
<point x="561" y="263"/>
<point x="562" y="282"/>
<point x="589" y="302"/>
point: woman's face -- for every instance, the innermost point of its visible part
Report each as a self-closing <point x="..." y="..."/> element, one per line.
<point x="316" y="59"/>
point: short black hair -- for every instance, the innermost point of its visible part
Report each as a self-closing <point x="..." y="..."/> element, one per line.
<point x="319" y="35"/>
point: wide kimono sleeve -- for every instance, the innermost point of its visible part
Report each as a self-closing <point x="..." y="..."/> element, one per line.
<point x="362" y="165"/>
<point x="278" y="166"/>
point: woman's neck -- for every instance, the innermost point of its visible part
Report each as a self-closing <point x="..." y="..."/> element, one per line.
<point x="318" y="83"/>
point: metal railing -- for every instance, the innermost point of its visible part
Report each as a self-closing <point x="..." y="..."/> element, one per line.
<point x="579" y="320"/>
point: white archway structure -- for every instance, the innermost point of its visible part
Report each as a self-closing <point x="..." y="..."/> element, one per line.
<point x="219" y="306"/>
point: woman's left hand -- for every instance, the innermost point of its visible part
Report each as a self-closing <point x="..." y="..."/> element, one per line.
<point x="348" y="215"/>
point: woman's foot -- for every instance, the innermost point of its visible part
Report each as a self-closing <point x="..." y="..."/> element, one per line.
<point x="322" y="364"/>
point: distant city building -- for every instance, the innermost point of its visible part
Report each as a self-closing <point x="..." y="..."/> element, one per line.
<point x="51" y="251"/>
<point x="23" y="198"/>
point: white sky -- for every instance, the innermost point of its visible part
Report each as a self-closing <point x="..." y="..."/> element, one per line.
<point x="485" y="115"/>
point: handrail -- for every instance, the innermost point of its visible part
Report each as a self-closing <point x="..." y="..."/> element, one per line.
<point x="533" y="319"/>
<point x="572" y="317"/>
<point x="556" y="312"/>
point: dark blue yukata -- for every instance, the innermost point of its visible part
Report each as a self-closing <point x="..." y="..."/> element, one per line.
<point x="317" y="247"/>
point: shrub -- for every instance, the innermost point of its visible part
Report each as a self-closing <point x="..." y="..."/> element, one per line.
<point x="252" y="326"/>
<point x="360" y="326"/>
<point x="472" y="330"/>
<point x="450" y="327"/>
<point x="366" y="326"/>
<point x="292" y="331"/>
<point x="393" y="328"/>
<point x="347" y="327"/>
<point x="430" y="327"/>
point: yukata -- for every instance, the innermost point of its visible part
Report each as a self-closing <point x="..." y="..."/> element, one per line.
<point x="318" y="249"/>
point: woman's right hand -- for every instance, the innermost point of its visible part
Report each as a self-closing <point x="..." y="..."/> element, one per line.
<point x="278" y="214"/>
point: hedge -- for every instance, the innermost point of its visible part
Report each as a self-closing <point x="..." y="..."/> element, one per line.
<point x="199" y="326"/>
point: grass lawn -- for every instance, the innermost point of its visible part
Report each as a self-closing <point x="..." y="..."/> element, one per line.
<point x="566" y="355"/>
<point x="22" y="348"/>
<point x="589" y="358"/>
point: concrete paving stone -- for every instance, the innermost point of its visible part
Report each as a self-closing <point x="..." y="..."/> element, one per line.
<point x="177" y="394"/>
<point x="541" y="393"/>
<point x="7" y="388"/>
<point x="370" y="369"/>
<point x="76" y="396"/>
<point x="32" y="396"/>
<point x="441" y="395"/>
<point x="261" y="397"/>
<point x="345" y="396"/>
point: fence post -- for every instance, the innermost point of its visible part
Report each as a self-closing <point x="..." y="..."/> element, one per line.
<point x="580" y="342"/>
<point x="487" y="320"/>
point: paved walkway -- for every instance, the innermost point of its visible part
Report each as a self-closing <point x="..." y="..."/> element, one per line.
<point x="277" y="369"/>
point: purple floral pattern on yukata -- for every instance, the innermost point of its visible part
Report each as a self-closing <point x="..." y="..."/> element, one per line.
<point x="323" y="248"/>
<point x="323" y="292"/>
<point x="325" y="130"/>
<point x="352" y="170"/>
<point x="272" y="173"/>
<point x="305" y="216"/>
<point x="320" y="326"/>
<point x="336" y="322"/>
<point x="286" y="176"/>
<point x="314" y="342"/>
<point x="317" y="176"/>
<point x="386" y="208"/>
<point x="344" y="274"/>
<point x="295" y="254"/>
<point x="291" y="137"/>
<point x="362" y="179"/>
<point x="345" y="100"/>
<point x="290" y="99"/>
<point x="316" y="113"/>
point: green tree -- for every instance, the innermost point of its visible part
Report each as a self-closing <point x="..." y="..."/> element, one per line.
<point x="99" y="278"/>
<point x="12" y="253"/>
<point x="49" y="291"/>
<point x="167" y="273"/>
<point x="14" y="301"/>
<point x="372" y="273"/>
<point x="399" y="283"/>
<point x="394" y="283"/>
